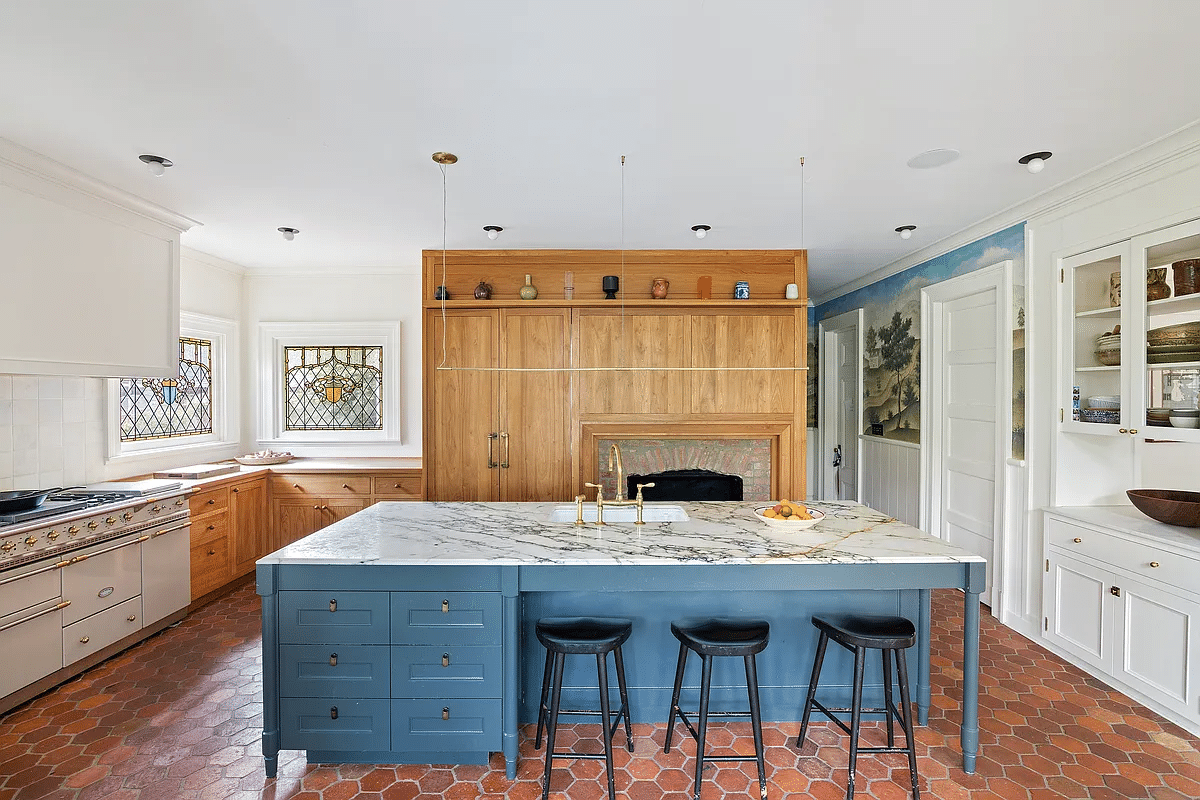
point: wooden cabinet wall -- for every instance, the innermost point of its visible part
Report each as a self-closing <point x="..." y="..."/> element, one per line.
<point x="229" y="532"/>
<point x="518" y="393"/>
<point x="303" y="503"/>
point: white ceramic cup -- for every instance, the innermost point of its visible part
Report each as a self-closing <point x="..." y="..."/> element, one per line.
<point x="792" y="292"/>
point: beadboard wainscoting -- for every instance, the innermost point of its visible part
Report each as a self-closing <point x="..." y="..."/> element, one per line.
<point x="891" y="477"/>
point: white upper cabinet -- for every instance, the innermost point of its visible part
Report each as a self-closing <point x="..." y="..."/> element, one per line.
<point x="90" y="274"/>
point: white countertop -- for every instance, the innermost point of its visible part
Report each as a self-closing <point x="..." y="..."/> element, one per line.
<point x="520" y="534"/>
<point x="1128" y="520"/>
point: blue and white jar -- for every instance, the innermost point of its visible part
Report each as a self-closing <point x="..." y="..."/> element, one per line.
<point x="741" y="290"/>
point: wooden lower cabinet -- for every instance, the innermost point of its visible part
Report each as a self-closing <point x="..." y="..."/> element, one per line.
<point x="229" y="532"/>
<point x="304" y="503"/>
<point x="248" y="516"/>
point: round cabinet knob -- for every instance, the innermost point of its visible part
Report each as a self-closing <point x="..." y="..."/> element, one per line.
<point x="235" y="490"/>
<point x="212" y="527"/>
<point x="1122" y="430"/>
<point x="295" y="486"/>
<point x="212" y="502"/>
<point x="1077" y="540"/>
<point x="85" y="640"/>
<point x="212" y="552"/>
<point x="1154" y="565"/>
<point x="1133" y="431"/>
<point x="345" y="486"/>
<point x="131" y="618"/>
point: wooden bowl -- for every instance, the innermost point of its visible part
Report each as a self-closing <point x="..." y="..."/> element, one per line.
<point x="1171" y="506"/>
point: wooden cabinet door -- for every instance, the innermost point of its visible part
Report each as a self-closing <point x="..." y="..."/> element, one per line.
<point x="535" y="443"/>
<point x="249" y="530"/>
<point x="335" y="508"/>
<point x="652" y="342"/>
<point x="294" y="519"/>
<point x="734" y="340"/>
<point x="462" y="446"/>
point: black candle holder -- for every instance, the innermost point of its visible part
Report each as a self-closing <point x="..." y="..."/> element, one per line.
<point x="610" y="284"/>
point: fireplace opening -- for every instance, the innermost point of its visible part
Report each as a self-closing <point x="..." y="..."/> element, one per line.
<point x="687" y="484"/>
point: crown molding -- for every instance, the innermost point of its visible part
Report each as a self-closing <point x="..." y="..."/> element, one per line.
<point x="36" y="165"/>
<point x="216" y="262"/>
<point x="1138" y="165"/>
<point x="327" y="272"/>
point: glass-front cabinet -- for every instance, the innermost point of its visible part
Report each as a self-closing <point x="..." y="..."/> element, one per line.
<point x="1131" y="343"/>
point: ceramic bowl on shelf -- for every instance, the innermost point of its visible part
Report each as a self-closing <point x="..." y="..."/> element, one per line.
<point x="1160" y="417"/>
<point x="263" y="458"/>
<point x="790" y="524"/>
<point x="1103" y="415"/>
<point x="1187" y="333"/>
<point x="1106" y="401"/>
<point x="1185" y="418"/>
<point x="1171" y="506"/>
<point x="1109" y="358"/>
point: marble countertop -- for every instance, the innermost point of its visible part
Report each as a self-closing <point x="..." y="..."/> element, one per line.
<point x="1128" y="520"/>
<point x="521" y="534"/>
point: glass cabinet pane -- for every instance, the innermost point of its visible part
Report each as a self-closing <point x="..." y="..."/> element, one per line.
<point x="1171" y="379"/>
<point x="1094" y="338"/>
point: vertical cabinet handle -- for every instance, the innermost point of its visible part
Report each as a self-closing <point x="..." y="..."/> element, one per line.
<point x="333" y="659"/>
<point x="492" y="463"/>
<point x="445" y="659"/>
<point x="446" y="713"/>
<point x="332" y="605"/>
<point x="445" y="606"/>
<point x="333" y="712"/>
<point x="504" y="441"/>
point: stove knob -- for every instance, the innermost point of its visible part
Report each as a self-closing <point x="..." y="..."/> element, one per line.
<point x="179" y="502"/>
<point x="93" y="525"/>
<point x="71" y="531"/>
<point x="110" y="521"/>
<point x="30" y="541"/>
<point x="155" y="509"/>
<point x="52" y="536"/>
<point x="128" y="515"/>
<point x="8" y="546"/>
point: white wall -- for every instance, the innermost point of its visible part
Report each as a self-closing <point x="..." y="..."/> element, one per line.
<point x="359" y="297"/>
<point x="53" y="430"/>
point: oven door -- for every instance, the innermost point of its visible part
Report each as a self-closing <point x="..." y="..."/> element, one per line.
<point x="31" y="620"/>
<point x="166" y="571"/>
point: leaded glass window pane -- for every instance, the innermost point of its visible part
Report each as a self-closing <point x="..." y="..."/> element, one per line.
<point x="160" y="408"/>
<point x="333" y="388"/>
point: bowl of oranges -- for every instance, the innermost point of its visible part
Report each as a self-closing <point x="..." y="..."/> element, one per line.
<point x="789" y="515"/>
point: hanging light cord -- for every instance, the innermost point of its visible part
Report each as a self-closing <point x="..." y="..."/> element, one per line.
<point x="442" y="167"/>
<point x="624" y="285"/>
<point x="801" y="202"/>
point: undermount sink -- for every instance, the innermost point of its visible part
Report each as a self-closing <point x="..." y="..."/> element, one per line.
<point x="650" y="513"/>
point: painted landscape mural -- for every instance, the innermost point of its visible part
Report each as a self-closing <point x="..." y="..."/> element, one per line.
<point x="892" y="322"/>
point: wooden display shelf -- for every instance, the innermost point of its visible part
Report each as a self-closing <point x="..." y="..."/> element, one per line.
<point x="670" y="302"/>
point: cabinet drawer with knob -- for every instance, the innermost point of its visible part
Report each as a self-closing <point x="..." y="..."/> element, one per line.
<point x="307" y="670"/>
<point x="98" y="631"/>
<point x="1144" y="560"/>
<point x="209" y="501"/>
<point x="323" y="485"/>
<point x="447" y="671"/>
<point x="334" y="617"/>
<point x="209" y="564"/>
<point x="335" y="724"/>
<point x="398" y="487"/>
<point x="442" y="618"/>
<point x="447" y="725"/>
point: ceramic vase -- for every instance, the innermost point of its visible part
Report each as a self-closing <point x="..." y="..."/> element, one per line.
<point x="483" y="291"/>
<point x="528" y="291"/>
<point x="1156" y="284"/>
<point x="659" y="289"/>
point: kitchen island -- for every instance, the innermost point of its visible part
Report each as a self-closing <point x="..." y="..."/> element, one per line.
<point x="403" y="634"/>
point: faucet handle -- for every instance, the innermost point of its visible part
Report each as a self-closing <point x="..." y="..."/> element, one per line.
<point x="641" y="486"/>
<point x="599" y="490"/>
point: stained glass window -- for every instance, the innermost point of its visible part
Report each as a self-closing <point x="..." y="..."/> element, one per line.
<point x="160" y="408"/>
<point x="333" y="388"/>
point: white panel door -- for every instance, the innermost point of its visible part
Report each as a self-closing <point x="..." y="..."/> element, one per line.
<point x="841" y="365"/>
<point x="1158" y="650"/>
<point x="968" y="420"/>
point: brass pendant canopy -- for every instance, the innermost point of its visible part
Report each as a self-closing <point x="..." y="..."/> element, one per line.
<point x="445" y="158"/>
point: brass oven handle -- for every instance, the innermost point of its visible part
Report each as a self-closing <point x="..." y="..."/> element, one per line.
<point x="492" y="463"/>
<point x="42" y="613"/>
<point x="504" y="439"/>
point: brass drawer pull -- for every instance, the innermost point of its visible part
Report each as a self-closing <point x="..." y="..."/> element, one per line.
<point x="445" y="659"/>
<point x="445" y="606"/>
<point x="212" y="502"/>
<point x="332" y="606"/>
<point x="85" y="640"/>
<point x="212" y="527"/>
<point x="295" y="486"/>
<point x="1078" y="540"/>
<point x="333" y="659"/>
<point x="235" y="490"/>
<point x="345" y="486"/>
<point x="1153" y="565"/>
<point x="131" y="618"/>
<point x="446" y="713"/>
<point x="212" y="552"/>
<point x="333" y="712"/>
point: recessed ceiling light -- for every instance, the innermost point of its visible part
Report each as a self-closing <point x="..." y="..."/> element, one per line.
<point x="156" y="164"/>
<point x="288" y="233"/>
<point x="939" y="157"/>
<point x="1034" y="162"/>
<point x="906" y="231"/>
<point x="492" y="230"/>
<point x="701" y="230"/>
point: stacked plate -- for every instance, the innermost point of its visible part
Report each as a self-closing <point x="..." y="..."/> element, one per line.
<point x="1158" y="417"/>
<point x="1108" y="416"/>
<point x="1173" y="343"/>
<point x="1105" y="401"/>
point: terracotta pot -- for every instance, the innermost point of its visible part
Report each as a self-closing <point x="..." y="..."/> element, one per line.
<point x="659" y="290"/>
<point x="1186" y="275"/>
<point x="1156" y="284"/>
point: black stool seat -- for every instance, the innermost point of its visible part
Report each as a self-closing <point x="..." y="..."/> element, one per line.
<point x="722" y="636"/>
<point x="583" y="635"/>
<point x="875" y="632"/>
<point x="570" y="636"/>
<point x="889" y="635"/>
<point x="711" y="637"/>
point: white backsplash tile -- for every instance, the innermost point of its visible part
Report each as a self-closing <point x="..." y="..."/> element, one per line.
<point x="50" y="412"/>
<point x="24" y="387"/>
<point x="50" y="388"/>
<point x="24" y="412"/>
<point x="50" y="435"/>
<point x="73" y="388"/>
<point x="5" y="387"/>
<point x="52" y="431"/>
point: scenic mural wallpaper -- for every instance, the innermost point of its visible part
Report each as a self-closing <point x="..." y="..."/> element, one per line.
<point x="891" y="341"/>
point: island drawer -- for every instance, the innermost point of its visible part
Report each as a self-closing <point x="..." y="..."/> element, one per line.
<point x="334" y="617"/>
<point x="1150" y="563"/>
<point x="446" y="618"/>
<point x="334" y="723"/>
<point x="446" y="671"/>
<point x="447" y="725"/>
<point x="321" y="486"/>
<point x="334" y="670"/>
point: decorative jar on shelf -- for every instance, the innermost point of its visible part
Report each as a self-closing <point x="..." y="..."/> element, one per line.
<point x="659" y="289"/>
<point x="483" y="291"/>
<point x="528" y="291"/>
<point x="1156" y="284"/>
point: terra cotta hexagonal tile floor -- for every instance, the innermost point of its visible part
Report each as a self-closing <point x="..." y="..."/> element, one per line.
<point x="178" y="717"/>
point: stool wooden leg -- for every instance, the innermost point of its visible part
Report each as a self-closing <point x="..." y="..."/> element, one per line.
<point x="812" y="687"/>
<point x="552" y="726"/>
<point x="887" y="696"/>
<point x="860" y="658"/>
<point x="605" y="730"/>
<point x="675" y="697"/>
<point x="756" y="724"/>
<point x="705" y="684"/>
<point x="624" y="698"/>
<point x="906" y="721"/>
<point x="545" y="692"/>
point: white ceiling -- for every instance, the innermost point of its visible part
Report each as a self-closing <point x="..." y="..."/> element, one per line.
<point x="322" y="115"/>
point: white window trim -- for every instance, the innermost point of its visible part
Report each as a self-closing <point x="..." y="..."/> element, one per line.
<point x="225" y="439"/>
<point x="275" y="336"/>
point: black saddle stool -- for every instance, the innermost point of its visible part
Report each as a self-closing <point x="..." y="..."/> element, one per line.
<point x="566" y="636"/>
<point x="858" y="633"/>
<point x="720" y="636"/>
